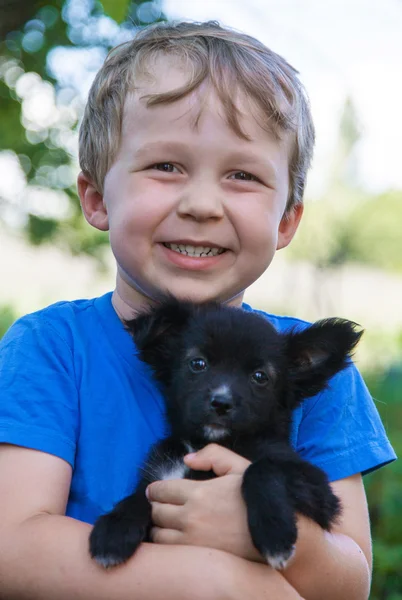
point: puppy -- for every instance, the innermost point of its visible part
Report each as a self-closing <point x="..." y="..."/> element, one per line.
<point x="229" y="377"/>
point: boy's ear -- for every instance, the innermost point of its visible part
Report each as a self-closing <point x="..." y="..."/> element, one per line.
<point x="156" y="333"/>
<point x="92" y="203"/>
<point x="288" y="225"/>
<point x="319" y="352"/>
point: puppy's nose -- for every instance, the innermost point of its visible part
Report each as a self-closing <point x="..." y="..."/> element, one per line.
<point x="222" y="402"/>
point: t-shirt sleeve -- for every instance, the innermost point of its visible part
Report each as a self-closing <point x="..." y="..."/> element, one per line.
<point x="341" y="431"/>
<point x="38" y="394"/>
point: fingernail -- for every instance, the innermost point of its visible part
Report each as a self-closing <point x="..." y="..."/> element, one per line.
<point x="147" y="493"/>
<point x="191" y="455"/>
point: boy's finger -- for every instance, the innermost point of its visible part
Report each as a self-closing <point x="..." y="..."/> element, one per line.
<point x="218" y="459"/>
<point x="166" y="536"/>
<point x="175" y="491"/>
<point x="168" y="516"/>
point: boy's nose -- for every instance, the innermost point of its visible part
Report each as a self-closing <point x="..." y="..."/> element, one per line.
<point x="201" y="202"/>
<point x="222" y="403"/>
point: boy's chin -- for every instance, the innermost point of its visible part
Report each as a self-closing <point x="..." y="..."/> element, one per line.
<point x="199" y="296"/>
<point x="142" y="290"/>
<point x="185" y="291"/>
<point x="204" y="291"/>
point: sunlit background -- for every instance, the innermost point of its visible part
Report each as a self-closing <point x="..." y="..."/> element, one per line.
<point x="346" y="259"/>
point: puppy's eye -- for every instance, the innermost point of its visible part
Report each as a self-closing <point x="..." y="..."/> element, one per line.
<point x="197" y="364"/>
<point x="260" y="378"/>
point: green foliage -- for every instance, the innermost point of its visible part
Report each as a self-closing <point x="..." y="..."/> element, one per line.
<point x="324" y="237"/>
<point x="346" y="224"/>
<point x="351" y="227"/>
<point x="117" y="9"/>
<point x="7" y="318"/>
<point x="40" y="228"/>
<point x="384" y="490"/>
<point x="375" y="232"/>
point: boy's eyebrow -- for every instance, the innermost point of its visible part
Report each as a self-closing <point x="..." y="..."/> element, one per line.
<point x="159" y="146"/>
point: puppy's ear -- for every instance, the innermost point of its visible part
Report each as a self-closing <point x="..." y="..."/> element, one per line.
<point x="319" y="352"/>
<point x="156" y="332"/>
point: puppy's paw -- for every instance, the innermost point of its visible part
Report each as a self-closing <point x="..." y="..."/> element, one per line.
<point x="280" y="560"/>
<point x="274" y="535"/>
<point x="114" y="539"/>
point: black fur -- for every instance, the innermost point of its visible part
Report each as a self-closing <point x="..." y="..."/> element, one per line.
<point x="229" y="376"/>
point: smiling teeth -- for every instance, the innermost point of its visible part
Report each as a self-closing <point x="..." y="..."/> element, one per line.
<point x="197" y="251"/>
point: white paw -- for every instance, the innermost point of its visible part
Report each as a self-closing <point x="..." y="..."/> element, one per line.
<point x="108" y="561"/>
<point x="279" y="561"/>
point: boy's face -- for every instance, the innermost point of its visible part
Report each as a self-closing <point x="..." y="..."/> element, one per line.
<point x="184" y="181"/>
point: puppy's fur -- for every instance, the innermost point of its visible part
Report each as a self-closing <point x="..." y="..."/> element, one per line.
<point x="229" y="376"/>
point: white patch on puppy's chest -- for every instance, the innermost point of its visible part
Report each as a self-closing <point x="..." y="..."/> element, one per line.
<point x="173" y="470"/>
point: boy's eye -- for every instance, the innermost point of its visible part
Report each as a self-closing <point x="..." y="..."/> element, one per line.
<point x="260" y="378"/>
<point x="197" y="365"/>
<point x="165" y="167"/>
<point x="244" y="176"/>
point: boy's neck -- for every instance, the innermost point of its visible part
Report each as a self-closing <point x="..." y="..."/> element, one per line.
<point x="128" y="306"/>
<point x="128" y="301"/>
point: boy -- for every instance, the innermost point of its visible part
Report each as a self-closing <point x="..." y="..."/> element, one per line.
<point x="194" y="150"/>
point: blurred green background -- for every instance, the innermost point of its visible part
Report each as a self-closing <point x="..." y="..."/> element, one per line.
<point x="346" y="259"/>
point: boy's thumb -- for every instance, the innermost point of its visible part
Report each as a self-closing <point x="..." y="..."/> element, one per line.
<point x="218" y="459"/>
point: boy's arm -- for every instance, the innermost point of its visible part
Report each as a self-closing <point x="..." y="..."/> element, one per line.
<point x="332" y="566"/>
<point x="44" y="555"/>
<point x="335" y="565"/>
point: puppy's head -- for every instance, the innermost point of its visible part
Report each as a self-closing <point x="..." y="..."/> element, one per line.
<point x="227" y="372"/>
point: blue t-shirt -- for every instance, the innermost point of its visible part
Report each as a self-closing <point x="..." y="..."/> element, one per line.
<point x="71" y="385"/>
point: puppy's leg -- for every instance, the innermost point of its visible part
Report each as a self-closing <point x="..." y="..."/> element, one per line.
<point x="117" y="534"/>
<point x="271" y="517"/>
<point x="311" y="494"/>
<point x="274" y="490"/>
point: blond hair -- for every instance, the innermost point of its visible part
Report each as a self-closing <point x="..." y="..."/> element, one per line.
<point x="229" y="60"/>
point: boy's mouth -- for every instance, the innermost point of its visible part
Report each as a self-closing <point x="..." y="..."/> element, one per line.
<point x="196" y="251"/>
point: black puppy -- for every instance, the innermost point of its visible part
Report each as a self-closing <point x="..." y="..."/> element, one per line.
<point x="229" y="376"/>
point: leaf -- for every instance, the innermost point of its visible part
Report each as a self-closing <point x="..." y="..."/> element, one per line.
<point x="40" y="229"/>
<point x="117" y="9"/>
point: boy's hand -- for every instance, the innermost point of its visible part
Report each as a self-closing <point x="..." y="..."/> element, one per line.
<point x="208" y="513"/>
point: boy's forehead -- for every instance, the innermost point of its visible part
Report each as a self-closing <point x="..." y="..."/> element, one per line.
<point x="191" y="111"/>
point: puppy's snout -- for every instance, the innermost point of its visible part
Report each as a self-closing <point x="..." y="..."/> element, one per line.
<point x="222" y="402"/>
